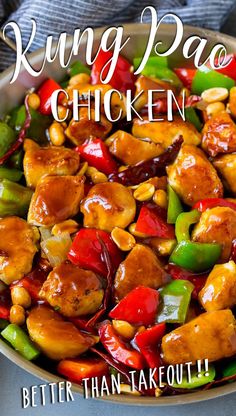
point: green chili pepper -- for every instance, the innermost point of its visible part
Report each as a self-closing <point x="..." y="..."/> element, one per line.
<point x="174" y="206"/>
<point x="7" y="137"/>
<point x="175" y="301"/>
<point x="14" y="198"/>
<point x="13" y="175"/>
<point x="196" y="379"/>
<point x="206" y="78"/>
<point x="229" y="369"/>
<point x="183" y="222"/>
<point x="3" y="323"/>
<point x="196" y="257"/>
<point x="192" y="117"/>
<point x="20" y="341"/>
<point x="157" y="67"/>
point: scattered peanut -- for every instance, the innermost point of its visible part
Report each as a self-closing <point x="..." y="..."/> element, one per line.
<point x="126" y="389"/>
<point x="124" y="329"/>
<point x="124" y="240"/>
<point x="20" y="296"/>
<point x="68" y="226"/>
<point x="158" y="392"/>
<point x="160" y="198"/>
<point x="81" y="78"/>
<point x="132" y="230"/>
<point x="56" y="134"/>
<point x="213" y="95"/>
<point x="83" y="168"/>
<point x="164" y="247"/>
<point x="96" y="176"/>
<point x="34" y="101"/>
<point x="215" y="108"/>
<point x="144" y="192"/>
<point x="17" y="315"/>
<point x="62" y="112"/>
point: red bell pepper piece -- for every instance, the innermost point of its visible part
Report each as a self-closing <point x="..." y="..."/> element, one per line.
<point x="118" y="349"/>
<point x="198" y="280"/>
<point x="230" y="69"/>
<point x="5" y="304"/>
<point x="77" y="369"/>
<point x="33" y="282"/>
<point x="122" y="79"/>
<point x="45" y="92"/>
<point x="207" y="203"/>
<point x="96" y="153"/>
<point x="151" y="222"/>
<point x="87" y="251"/>
<point x="186" y="75"/>
<point x="148" y="341"/>
<point x="138" y="307"/>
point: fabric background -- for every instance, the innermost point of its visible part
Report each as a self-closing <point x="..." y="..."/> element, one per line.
<point x="56" y="16"/>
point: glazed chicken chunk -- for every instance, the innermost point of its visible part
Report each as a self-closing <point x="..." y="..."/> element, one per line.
<point x="211" y="335"/>
<point x="108" y="205"/>
<point x="217" y="225"/>
<point x="226" y="166"/>
<point x="219" y="134"/>
<point x="56" y="198"/>
<point x="130" y="150"/>
<point x="17" y="248"/>
<point x="141" y="267"/>
<point x="193" y="177"/>
<point x="219" y="291"/>
<point x="51" y="160"/>
<point x="165" y="132"/>
<point x="72" y="290"/>
<point x="56" y="338"/>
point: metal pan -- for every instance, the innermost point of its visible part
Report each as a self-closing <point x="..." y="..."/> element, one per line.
<point x="12" y="94"/>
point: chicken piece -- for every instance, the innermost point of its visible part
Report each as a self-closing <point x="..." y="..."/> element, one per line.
<point x="217" y="225"/>
<point x="219" y="291"/>
<point x="73" y="290"/>
<point x="219" y="134"/>
<point x="17" y="248"/>
<point x="131" y="150"/>
<point x="211" y="335"/>
<point x="141" y="267"/>
<point x="57" y="339"/>
<point x="226" y="166"/>
<point x="56" y="198"/>
<point x="145" y="84"/>
<point x="79" y="131"/>
<point x="193" y="177"/>
<point x="108" y="205"/>
<point x="165" y="132"/>
<point x="51" y="160"/>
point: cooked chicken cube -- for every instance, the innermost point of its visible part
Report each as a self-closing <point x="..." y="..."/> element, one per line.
<point x="217" y="225"/>
<point x="72" y="290"/>
<point x="56" y="198"/>
<point x="108" y="205"/>
<point x="165" y="132"/>
<point x="17" y="248"/>
<point x="144" y="84"/>
<point x="51" y="160"/>
<point x="219" y="291"/>
<point x="79" y="131"/>
<point x="219" y="134"/>
<point x="130" y="150"/>
<point x="56" y="338"/>
<point x="226" y="166"/>
<point x="141" y="267"/>
<point x="211" y="335"/>
<point x="193" y="177"/>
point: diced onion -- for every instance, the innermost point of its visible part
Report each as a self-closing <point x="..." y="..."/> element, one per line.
<point x="56" y="248"/>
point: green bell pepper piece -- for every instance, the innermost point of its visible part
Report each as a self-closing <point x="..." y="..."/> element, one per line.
<point x="192" y="117"/>
<point x="195" y="380"/>
<point x="7" y="137"/>
<point x="175" y="301"/>
<point x="230" y="369"/>
<point x="183" y="222"/>
<point x="196" y="257"/>
<point x="16" y="160"/>
<point x="206" y="78"/>
<point x="152" y="63"/>
<point x="13" y="175"/>
<point x="14" y="198"/>
<point x="157" y="67"/>
<point x="20" y="341"/>
<point x="174" y="205"/>
<point x="78" y="68"/>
